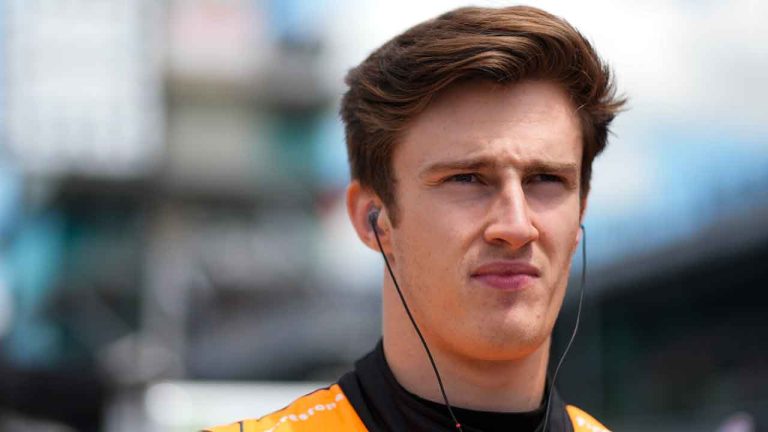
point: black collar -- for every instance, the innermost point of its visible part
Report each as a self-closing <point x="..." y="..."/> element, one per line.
<point x="384" y="405"/>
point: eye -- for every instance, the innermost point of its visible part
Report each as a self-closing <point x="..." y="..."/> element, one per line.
<point x="545" y="178"/>
<point x="463" y="178"/>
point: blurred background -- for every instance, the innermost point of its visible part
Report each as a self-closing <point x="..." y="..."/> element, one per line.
<point x="175" y="253"/>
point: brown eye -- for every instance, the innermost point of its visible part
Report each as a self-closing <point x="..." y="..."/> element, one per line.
<point x="463" y="178"/>
<point x="545" y="178"/>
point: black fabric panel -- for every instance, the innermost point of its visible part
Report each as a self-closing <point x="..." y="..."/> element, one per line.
<point x="384" y="405"/>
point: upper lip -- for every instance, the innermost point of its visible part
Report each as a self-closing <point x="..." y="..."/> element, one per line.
<point x="506" y="268"/>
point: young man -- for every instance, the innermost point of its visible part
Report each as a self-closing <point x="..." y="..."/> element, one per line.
<point x="471" y="139"/>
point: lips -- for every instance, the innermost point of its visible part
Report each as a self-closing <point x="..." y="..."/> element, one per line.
<point x="506" y="275"/>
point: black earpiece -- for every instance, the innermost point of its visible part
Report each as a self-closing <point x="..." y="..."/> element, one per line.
<point x="373" y="218"/>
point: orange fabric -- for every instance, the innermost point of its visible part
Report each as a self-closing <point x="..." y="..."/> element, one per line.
<point x="322" y="410"/>
<point x="583" y="422"/>
<point x="329" y="410"/>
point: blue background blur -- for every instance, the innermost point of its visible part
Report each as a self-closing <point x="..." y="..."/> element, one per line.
<point x="172" y="215"/>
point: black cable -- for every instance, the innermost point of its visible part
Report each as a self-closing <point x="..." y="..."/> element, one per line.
<point x="575" y="327"/>
<point x="413" y="321"/>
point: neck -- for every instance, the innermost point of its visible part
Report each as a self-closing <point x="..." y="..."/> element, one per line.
<point x="514" y="385"/>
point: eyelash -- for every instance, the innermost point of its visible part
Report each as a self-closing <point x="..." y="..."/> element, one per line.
<point x="455" y="178"/>
<point x="548" y="178"/>
<point x="475" y="178"/>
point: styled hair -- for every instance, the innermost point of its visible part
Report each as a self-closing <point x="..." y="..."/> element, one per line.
<point x="507" y="45"/>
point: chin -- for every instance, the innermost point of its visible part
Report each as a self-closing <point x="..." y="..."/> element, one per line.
<point x="512" y="344"/>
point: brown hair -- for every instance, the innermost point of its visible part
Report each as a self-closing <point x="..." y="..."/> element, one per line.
<point x="398" y="80"/>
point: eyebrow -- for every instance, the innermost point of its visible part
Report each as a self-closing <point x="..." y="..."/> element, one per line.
<point x="537" y="165"/>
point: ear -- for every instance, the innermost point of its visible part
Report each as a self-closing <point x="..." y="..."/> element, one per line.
<point x="360" y="202"/>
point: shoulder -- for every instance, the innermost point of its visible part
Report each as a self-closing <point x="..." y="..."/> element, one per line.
<point x="583" y="422"/>
<point x="324" y="409"/>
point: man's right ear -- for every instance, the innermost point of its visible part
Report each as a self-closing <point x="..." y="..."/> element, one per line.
<point x="364" y="207"/>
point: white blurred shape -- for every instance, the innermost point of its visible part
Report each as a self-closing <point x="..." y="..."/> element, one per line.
<point x="174" y="404"/>
<point x="215" y="40"/>
<point x="83" y="86"/>
<point x="738" y="422"/>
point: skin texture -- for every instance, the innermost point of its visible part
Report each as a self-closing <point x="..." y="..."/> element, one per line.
<point x="487" y="173"/>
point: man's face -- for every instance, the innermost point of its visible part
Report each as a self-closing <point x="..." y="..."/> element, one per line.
<point x="487" y="187"/>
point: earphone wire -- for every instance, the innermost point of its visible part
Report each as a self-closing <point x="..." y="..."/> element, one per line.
<point x="416" y="327"/>
<point x="575" y="326"/>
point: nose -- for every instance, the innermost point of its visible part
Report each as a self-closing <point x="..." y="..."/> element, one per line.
<point x="510" y="223"/>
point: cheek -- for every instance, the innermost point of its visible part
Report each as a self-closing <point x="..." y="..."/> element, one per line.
<point x="426" y="245"/>
<point x="432" y="227"/>
<point x="559" y="233"/>
<point x="431" y="250"/>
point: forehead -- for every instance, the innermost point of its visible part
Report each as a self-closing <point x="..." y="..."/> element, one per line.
<point x="518" y="122"/>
